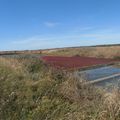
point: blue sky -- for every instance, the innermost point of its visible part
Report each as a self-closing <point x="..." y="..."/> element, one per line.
<point x="40" y="24"/>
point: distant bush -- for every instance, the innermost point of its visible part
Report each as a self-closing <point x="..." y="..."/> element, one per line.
<point x="117" y="57"/>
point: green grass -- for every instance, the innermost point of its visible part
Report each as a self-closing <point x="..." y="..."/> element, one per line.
<point x="30" y="90"/>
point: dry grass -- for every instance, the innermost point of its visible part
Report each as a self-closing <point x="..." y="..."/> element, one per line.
<point x="45" y="94"/>
<point x="11" y="63"/>
<point x="93" y="103"/>
<point x="100" y="52"/>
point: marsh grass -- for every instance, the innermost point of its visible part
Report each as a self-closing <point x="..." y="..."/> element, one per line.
<point x="99" y="52"/>
<point x="30" y="90"/>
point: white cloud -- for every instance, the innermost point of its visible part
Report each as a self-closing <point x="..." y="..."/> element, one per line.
<point x="51" y="24"/>
<point x="68" y="39"/>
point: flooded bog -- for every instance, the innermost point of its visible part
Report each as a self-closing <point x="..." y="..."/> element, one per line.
<point x="102" y="76"/>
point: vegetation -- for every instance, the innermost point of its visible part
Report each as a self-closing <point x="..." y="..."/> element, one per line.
<point x="100" y="52"/>
<point x="30" y="90"/>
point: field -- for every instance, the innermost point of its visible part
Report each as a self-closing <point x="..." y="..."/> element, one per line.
<point x="75" y="62"/>
<point x="32" y="90"/>
<point x="99" y="52"/>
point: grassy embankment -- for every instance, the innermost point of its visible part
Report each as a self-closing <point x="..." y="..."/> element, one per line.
<point x="100" y="52"/>
<point x="30" y="90"/>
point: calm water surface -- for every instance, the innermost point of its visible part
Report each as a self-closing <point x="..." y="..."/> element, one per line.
<point x="102" y="72"/>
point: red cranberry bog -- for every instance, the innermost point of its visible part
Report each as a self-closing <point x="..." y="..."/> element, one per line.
<point x="98" y="71"/>
<point x="75" y="62"/>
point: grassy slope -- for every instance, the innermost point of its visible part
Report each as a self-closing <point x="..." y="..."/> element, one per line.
<point x="106" y="52"/>
<point x="32" y="91"/>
